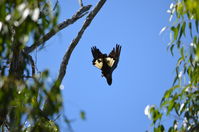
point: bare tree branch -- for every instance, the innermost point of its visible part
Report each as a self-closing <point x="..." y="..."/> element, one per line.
<point x="75" y="41"/>
<point x="55" y="5"/>
<point x="80" y="3"/>
<point x="79" y="14"/>
<point x="32" y="64"/>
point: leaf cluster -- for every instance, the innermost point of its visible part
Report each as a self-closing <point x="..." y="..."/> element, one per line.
<point x="28" y="102"/>
<point x="181" y="101"/>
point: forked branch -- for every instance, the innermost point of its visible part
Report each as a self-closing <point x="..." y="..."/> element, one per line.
<point x="75" y="41"/>
<point x="79" y="14"/>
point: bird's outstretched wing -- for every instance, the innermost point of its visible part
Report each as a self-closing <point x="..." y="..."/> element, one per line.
<point x="97" y="57"/>
<point x="113" y="57"/>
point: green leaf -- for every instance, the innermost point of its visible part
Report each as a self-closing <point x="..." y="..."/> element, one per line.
<point x="175" y="32"/>
<point x="168" y="93"/>
<point x="176" y="78"/>
<point x="83" y="115"/>
<point x="171" y="49"/>
<point x="165" y="103"/>
<point x="171" y="129"/>
<point x="170" y="107"/>
<point x="179" y="61"/>
<point x="182" y="30"/>
<point x="195" y="39"/>
<point x="156" y="115"/>
<point x="182" y="53"/>
<point x="178" y="43"/>
<point x="160" y="128"/>
<point x="177" y="107"/>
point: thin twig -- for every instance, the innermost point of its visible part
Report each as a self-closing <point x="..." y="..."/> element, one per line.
<point x="68" y="122"/>
<point x="79" y="14"/>
<point x="32" y="64"/>
<point x="75" y="41"/>
<point x="55" y="5"/>
<point x="80" y="3"/>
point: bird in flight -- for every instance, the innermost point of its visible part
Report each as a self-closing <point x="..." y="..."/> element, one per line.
<point x="106" y="63"/>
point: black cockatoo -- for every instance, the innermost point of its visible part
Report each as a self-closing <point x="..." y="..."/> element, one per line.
<point x="106" y="63"/>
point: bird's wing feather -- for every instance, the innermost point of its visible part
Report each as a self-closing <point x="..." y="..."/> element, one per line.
<point x="113" y="58"/>
<point x="97" y="57"/>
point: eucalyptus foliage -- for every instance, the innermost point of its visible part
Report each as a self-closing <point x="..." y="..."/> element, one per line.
<point x="180" y="103"/>
<point x="28" y="102"/>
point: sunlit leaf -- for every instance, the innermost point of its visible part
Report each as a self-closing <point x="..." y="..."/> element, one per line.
<point x="182" y="53"/>
<point x="162" y="30"/>
<point x="160" y="128"/>
<point x="180" y="61"/>
<point x="170" y="107"/>
<point x="83" y="115"/>
<point x="180" y="101"/>
<point x="175" y="32"/>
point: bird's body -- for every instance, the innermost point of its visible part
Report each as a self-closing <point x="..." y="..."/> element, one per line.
<point x="106" y="63"/>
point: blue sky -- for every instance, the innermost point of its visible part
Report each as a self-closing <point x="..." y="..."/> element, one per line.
<point x="145" y="70"/>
